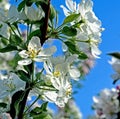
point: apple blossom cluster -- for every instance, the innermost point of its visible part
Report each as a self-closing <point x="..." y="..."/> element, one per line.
<point x="107" y="104"/>
<point x="115" y="63"/>
<point x="88" y="26"/>
<point x="79" y="34"/>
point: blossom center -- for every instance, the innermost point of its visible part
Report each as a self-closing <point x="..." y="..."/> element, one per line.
<point x="11" y="86"/>
<point x="56" y="73"/>
<point x="32" y="53"/>
<point x="68" y="91"/>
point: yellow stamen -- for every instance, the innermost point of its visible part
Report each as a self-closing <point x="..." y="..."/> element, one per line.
<point x="68" y="91"/>
<point x="56" y="73"/>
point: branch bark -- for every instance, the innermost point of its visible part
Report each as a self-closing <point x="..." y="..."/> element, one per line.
<point x="43" y="29"/>
<point x="43" y="39"/>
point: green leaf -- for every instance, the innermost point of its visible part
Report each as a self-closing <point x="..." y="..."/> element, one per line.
<point x="14" y="62"/>
<point x="71" y="18"/>
<point x="115" y="54"/>
<point x="40" y="109"/>
<point x="74" y="50"/>
<point x="35" y="111"/>
<point x="69" y="31"/>
<point x="3" y="105"/>
<point x="42" y="116"/>
<point x="21" y="5"/>
<point x="40" y="112"/>
<point x="38" y="75"/>
<point x="52" y="13"/>
<point x="71" y="47"/>
<point x="4" y="41"/>
<point x="114" y="82"/>
<point x="15" y="40"/>
<point x="29" y="3"/>
<point x="8" y="48"/>
<point x="23" y="76"/>
<point x="44" y="1"/>
<point x="44" y="106"/>
<point x="34" y="33"/>
<point x="15" y="103"/>
<point x="82" y="55"/>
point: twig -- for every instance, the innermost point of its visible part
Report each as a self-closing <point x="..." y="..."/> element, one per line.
<point x="43" y="29"/>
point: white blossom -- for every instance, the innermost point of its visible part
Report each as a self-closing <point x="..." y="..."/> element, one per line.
<point x="34" y="14"/>
<point x="35" y="52"/>
<point x="90" y="26"/>
<point x="106" y="104"/>
<point x="10" y="84"/>
<point x="9" y="16"/>
<point x="4" y="4"/>
<point x="5" y="116"/>
<point x="58" y="66"/>
<point x="62" y="92"/>
<point x="116" y="66"/>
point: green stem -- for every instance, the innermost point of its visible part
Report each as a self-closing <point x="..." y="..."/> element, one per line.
<point x="27" y="32"/>
<point x="12" y="28"/>
<point x="60" y="27"/>
<point x="48" y="89"/>
<point x="32" y="104"/>
<point x="26" y="91"/>
<point x="30" y="28"/>
<point x="19" y="31"/>
<point x="33" y="69"/>
<point x="23" y="102"/>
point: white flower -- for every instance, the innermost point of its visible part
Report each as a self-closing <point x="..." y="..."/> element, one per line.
<point x="34" y="14"/>
<point x="35" y="52"/>
<point x="90" y="23"/>
<point x="10" y="84"/>
<point x="87" y="42"/>
<point x="116" y="66"/>
<point x="10" y="16"/>
<point x="62" y="92"/>
<point x="59" y="71"/>
<point x="90" y="26"/>
<point x="3" y="28"/>
<point x="4" y="4"/>
<point x="71" y="7"/>
<point x="5" y="116"/>
<point x="5" y="58"/>
<point x="58" y="66"/>
<point x="94" y="48"/>
<point x="107" y="104"/>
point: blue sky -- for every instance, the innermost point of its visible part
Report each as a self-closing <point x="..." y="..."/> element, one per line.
<point x="99" y="77"/>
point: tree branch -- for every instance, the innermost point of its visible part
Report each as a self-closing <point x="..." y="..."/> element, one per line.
<point x="43" y="38"/>
<point x="43" y="28"/>
<point x="23" y="102"/>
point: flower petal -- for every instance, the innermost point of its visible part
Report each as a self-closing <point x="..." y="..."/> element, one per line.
<point x="12" y="14"/>
<point x="23" y="54"/>
<point x="25" y="62"/>
<point x="71" y="5"/>
<point x="74" y="73"/>
<point x="47" y="51"/>
<point x="34" y="44"/>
